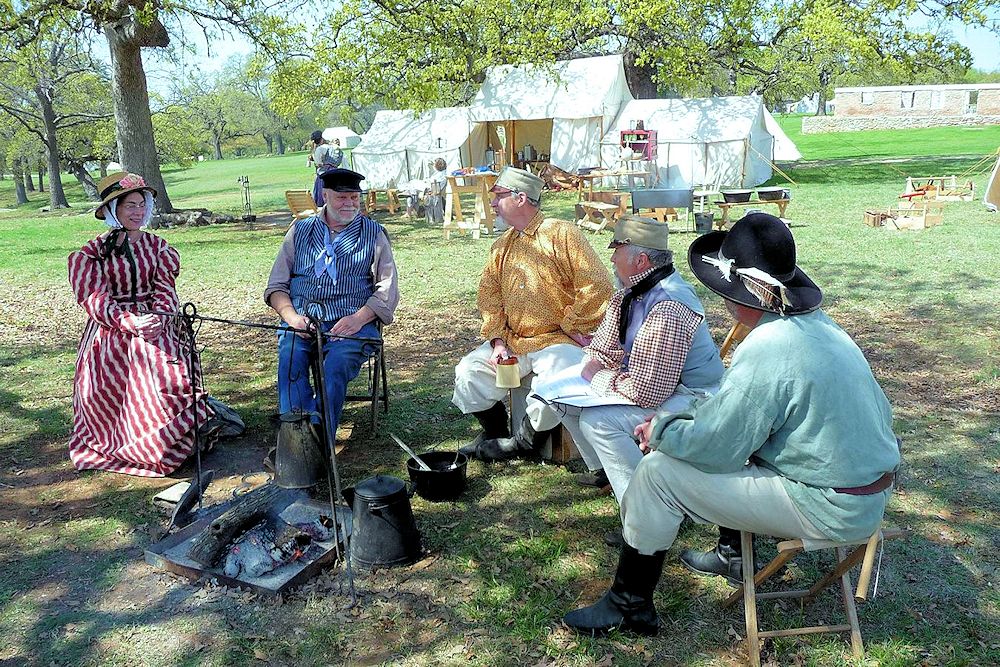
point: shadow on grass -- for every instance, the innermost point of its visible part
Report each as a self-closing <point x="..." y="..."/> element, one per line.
<point x="521" y="547"/>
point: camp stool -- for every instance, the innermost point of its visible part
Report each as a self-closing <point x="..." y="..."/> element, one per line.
<point x="864" y="551"/>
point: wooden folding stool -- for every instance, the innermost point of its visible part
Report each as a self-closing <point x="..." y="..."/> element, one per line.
<point x="863" y="550"/>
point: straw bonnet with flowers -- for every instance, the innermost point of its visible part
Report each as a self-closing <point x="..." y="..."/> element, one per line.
<point x="118" y="185"/>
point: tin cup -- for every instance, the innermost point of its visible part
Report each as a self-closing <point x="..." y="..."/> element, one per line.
<point x="508" y="374"/>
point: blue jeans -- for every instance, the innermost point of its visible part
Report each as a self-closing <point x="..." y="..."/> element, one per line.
<point x="342" y="362"/>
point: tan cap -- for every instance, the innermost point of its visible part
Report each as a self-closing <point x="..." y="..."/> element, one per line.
<point x="520" y="180"/>
<point x="640" y="231"/>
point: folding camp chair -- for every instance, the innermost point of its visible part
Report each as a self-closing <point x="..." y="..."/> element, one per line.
<point x="300" y="203"/>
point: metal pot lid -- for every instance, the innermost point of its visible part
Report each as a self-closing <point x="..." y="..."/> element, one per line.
<point x="379" y="487"/>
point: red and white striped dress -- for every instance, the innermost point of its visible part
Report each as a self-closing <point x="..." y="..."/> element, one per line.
<point x="131" y="396"/>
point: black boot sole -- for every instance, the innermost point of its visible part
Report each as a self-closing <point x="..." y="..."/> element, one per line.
<point x="737" y="583"/>
<point x="643" y="630"/>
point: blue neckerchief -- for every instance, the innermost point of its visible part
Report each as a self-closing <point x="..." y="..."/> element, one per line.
<point x="326" y="260"/>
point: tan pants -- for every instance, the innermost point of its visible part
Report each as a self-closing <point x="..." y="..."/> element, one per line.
<point x="476" y="380"/>
<point x="664" y="489"/>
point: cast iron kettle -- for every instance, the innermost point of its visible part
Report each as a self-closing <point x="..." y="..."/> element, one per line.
<point x="384" y="532"/>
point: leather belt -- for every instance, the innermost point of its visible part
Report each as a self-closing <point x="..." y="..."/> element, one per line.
<point x="879" y="485"/>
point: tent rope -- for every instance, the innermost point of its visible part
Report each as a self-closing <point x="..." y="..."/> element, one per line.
<point x="773" y="166"/>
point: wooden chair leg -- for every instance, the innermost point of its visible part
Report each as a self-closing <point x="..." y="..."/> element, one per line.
<point x="374" y="376"/>
<point x="750" y="599"/>
<point x="847" y="592"/>
<point x="385" y="382"/>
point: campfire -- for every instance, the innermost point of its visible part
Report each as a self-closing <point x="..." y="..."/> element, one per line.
<point x="270" y="540"/>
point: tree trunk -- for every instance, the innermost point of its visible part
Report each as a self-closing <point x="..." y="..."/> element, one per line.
<point x="217" y="146"/>
<point x="104" y="168"/>
<point x="281" y="143"/>
<point x="269" y="140"/>
<point x="57" y="198"/>
<point x="85" y="180"/>
<point x="824" y="81"/>
<point x="133" y="123"/>
<point x="17" y="169"/>
<point x="28" y="183"/>
<point x="41" y="176"/>
<point x="640" y="79"/>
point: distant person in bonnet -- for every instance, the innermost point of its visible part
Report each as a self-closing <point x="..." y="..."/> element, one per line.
<point x="325" y="157"/>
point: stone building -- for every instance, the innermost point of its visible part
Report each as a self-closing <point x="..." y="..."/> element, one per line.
<point x="897" y="107"/>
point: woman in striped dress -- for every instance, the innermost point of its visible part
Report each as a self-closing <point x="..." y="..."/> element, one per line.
<point x="132" y="392"/>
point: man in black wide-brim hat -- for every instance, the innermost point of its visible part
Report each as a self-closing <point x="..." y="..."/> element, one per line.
<point x="797" y="443"/>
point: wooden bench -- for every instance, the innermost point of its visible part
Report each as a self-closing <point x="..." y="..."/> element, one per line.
<point x="721" y="223"/>
<point x="915" y="214"/>
<point x="301" y="204"/>
<point x="598" y="215"/>
<point x="391" y="199"/>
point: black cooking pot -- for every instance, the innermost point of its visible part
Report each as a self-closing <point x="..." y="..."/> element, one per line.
<point x="446" y="478"/>
<point x="384" y="532"/>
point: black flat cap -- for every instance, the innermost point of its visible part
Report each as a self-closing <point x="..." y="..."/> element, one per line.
<point x="342" y="180"/>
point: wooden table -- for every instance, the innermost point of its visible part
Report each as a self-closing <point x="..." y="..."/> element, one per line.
<point x="782" y="204"/>
<point x="477" y="184"/>
<point x="588" y="179"/>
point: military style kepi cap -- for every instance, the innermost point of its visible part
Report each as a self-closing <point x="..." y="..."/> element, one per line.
<point x="342" y="180"/>
<point x="640" y="231"/>
<point x="520" y="180"/>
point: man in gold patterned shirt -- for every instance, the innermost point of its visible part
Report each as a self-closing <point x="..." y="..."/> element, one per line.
<point x="542" y="292"/>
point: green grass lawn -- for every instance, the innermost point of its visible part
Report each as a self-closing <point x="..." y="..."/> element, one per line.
<point x="921" y="142"/>
<point x="523" y="544"/>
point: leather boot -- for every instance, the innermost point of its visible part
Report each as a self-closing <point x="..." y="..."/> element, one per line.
<point x="725" y="560"/>
<point x="526" y="443"/>
<point x="495" y="425"/>
<point x="628" y="605"/>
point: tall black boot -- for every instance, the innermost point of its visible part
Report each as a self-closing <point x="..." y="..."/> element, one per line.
<point x="526" y="443"/>
<point x="629" y="603"/>
<point x="725" y="560"/>
<point x="495" y="425"/>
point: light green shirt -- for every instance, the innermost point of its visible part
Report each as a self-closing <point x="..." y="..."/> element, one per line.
<point x="801" y="400"/>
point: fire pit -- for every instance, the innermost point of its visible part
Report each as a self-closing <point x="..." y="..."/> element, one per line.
<point x="274" y="548"/>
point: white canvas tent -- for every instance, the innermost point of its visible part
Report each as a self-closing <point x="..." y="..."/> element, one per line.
<point x="348" y="137"/>
<point x="706" y="141"/>
<point x="992" y="195"/>
<point x="399" y="145"/>
<point x="562" y="109"/>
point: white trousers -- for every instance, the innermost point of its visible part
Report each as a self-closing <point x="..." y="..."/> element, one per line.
<point x="664" y="489"/>
<point x="476" y="380"/>
<point x="604" y="434"/>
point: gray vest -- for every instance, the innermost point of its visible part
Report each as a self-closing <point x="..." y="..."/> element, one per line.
<point x="319" y="296"/>
<point x="703" y="368"/>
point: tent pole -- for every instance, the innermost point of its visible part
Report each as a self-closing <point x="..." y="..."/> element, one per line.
<point x="600" y="135"/>
<point x="743" y="167"/>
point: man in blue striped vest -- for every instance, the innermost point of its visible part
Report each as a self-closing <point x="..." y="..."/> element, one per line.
<point x="336" y="267"/>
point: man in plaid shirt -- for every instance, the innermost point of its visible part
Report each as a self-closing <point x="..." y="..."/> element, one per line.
<point x="652" y="348"/>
